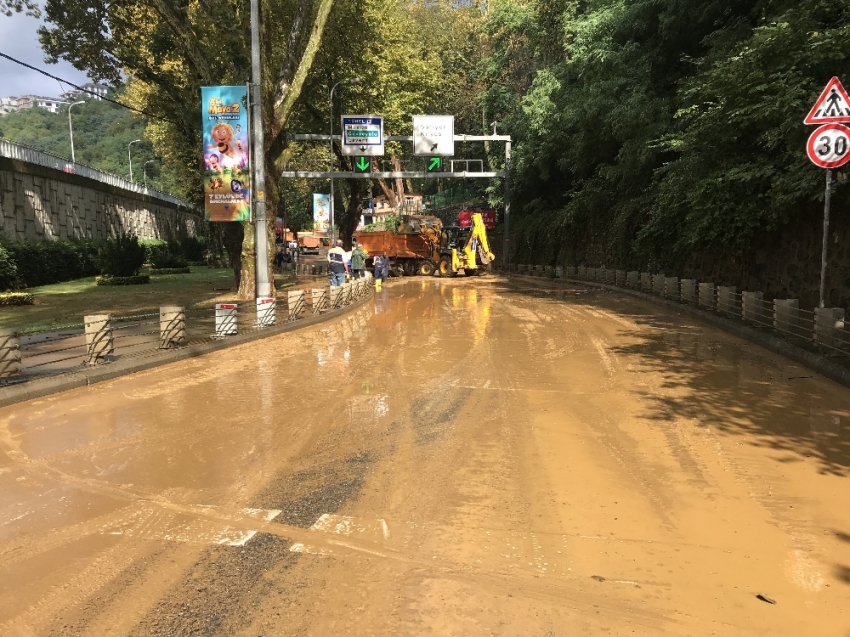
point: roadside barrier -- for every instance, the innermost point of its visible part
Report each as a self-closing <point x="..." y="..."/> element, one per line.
<point x="825" y="328"/>
<point x="102" y="338"/>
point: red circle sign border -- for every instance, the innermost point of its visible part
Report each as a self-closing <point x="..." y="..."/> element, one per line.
<point x="810" y="146"/>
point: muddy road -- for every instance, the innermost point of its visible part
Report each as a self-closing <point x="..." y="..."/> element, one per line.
<point x="470" y="458"/>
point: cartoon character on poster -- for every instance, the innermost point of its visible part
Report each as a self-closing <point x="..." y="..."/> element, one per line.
<point x="321" y="212"/>
<point x="227" y="184"/>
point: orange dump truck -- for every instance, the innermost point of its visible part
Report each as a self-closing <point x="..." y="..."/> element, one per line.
<point x="409" y="253"/>
<point x="308" y="244"/>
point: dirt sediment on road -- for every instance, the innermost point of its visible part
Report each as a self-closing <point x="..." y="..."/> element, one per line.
<point x="468" y="457"/>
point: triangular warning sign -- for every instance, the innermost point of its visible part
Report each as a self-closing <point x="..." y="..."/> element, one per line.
<point x="833" y="105"/>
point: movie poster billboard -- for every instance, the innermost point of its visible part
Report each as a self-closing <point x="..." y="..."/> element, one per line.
<point x="227" y="174"/>
<point x="321" y="213"/>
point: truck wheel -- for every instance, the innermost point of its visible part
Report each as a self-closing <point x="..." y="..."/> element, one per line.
<point x="426" y="268"/>
<point x="445" y="267"/>
<point x="410" y="268"/>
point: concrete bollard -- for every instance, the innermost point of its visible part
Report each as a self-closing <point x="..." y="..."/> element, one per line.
<point x="727" y="302"/>
<point x="172" y="326"/>
<point x="786" y="315"/>
<point x="320" y="300"/>
<point x="706" y="295"/>
<point x="266" y="311"/>
<point x="829" y="327"/>
<point x="572" y="270"/>
<point x="620" y="277"/>
<point x="646" y="281"/>
<point x="688" y="290"/>
<point x="10" y="353"/>
<point x="335" y="297"/>
<point x="633" y="279"/>
<point x="225" y="319"/>
<point x="581" y="272"/>
<point x="671" y="287"/>
<point x="559" y="272"/>
<point x="99" y="342"/>
<point x="658" y="284"/>
<point x="295" y="301"/>
<point x="751" y="303"/>
<point x="611" y="277"/>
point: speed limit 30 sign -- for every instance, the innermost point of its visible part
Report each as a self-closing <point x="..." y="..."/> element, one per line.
<point x="829" y="146"/>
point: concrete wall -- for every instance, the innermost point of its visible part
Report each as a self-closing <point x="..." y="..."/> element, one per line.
<point x="42" y="204"/>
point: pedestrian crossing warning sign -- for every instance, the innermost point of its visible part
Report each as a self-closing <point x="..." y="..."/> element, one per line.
<point x="832" y="107"/>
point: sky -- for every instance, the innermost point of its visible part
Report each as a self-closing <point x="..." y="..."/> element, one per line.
<point x="19" y="38"/>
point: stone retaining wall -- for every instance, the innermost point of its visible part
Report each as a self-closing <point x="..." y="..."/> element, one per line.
<point x="42" y="204"/>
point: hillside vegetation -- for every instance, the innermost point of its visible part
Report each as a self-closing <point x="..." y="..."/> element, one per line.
<point x="102" y="131"/>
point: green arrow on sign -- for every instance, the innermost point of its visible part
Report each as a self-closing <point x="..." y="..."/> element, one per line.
<point x="362" y="165"/>
<point x="435" y="163"/>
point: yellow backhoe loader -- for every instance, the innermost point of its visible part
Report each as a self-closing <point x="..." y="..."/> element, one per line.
<point x="464" y="249"/>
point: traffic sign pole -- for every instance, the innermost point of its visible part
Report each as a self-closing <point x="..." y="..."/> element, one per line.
<point x="826" y="206"/>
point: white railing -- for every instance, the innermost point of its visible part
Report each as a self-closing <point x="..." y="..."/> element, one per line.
<point x="33" y="156"/>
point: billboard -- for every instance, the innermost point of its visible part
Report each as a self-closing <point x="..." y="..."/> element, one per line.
<point x="227" y="172"/>
<point x="488" y="217"/>
<point x="321" y="213"/>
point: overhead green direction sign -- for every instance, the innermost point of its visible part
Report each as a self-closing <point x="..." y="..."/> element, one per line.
<point x="435" y="164"/>
<point x="362" y="165"/>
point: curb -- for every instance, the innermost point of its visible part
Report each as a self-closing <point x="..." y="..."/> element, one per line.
<point x="40" y="387"/>
<point x="814" y="362"/>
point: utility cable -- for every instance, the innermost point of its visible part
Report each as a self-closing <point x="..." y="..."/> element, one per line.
<point x="85" y="90"/>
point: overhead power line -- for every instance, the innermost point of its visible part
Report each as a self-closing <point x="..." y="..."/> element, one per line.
<point x="85" y="90"/>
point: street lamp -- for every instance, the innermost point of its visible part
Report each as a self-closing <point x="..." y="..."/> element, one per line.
<point x="351" y="80"/>
<point x="71" y="129"/>
<point x="145" y="170"/>
<point x="130" y="157"/>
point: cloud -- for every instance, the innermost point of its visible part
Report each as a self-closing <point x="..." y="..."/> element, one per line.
<point x="19" y="38"/>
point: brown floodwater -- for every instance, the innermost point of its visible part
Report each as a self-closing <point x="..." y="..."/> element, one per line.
<point x="459" y="457"/>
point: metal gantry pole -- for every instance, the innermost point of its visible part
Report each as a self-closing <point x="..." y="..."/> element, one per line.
<point x="826" y="206"/>
<point x="506" y="241"/>
<point x="350" y="80"/>
<point x="261" y="235"/>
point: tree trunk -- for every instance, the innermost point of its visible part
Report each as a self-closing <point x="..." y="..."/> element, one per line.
<point x="247" y="264"/>
<point x="348" y="224"/>
<point x="232" y="235"/>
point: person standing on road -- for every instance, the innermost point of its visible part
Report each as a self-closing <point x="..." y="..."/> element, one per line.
<point x="336" y="264"/>
<point x="384" y="270"/>
<point x="358" y="261"/>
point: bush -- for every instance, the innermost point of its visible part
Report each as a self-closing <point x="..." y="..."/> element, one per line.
<point x="167" y="256"/>
<point x="108" y="279"/>
<point x="170" y="270"/>
<point x="150" y="245"/>
<point x="194" y="248"/>
<point x="17" y="298"/>
<point x="8" y="271"/>
<point x="122" y="256"/>
<point x="45" y="262"/>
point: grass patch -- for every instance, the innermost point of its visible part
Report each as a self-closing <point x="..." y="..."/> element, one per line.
<point x="63" y="305"/>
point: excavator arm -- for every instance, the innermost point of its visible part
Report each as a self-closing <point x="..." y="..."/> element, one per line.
<point x="477" y="243"/>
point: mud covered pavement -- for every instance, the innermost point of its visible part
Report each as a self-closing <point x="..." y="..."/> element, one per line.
<point x="476" y="457"/>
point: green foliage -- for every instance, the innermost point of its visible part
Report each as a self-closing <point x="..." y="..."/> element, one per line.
<point x="648" y="131"/>
<point x="166" y="255"/>
<point x="9" y="278"/>
<point x="44" y="262"/>
<point x="121" y="257"/>
<point x="16" y="298"/>
<point x="108" y="279"/>
<point x="102" y="131"/>
<point x="193" y="248"/>
<point x="161" y="271"/>
<point x="390" y="223"/>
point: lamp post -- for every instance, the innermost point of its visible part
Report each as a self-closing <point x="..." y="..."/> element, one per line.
<point x="71" y="129"/>
<point x="351" y="80"/>
<point x="258" y="162"/>
<point x="130" y="157"/>
<point x="145" y="171"/>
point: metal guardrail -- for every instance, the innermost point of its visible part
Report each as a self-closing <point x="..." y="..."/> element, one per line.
<point x="40" y="158"/>
<point x="101" y="339"/>
<point x="823" y="328"/>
